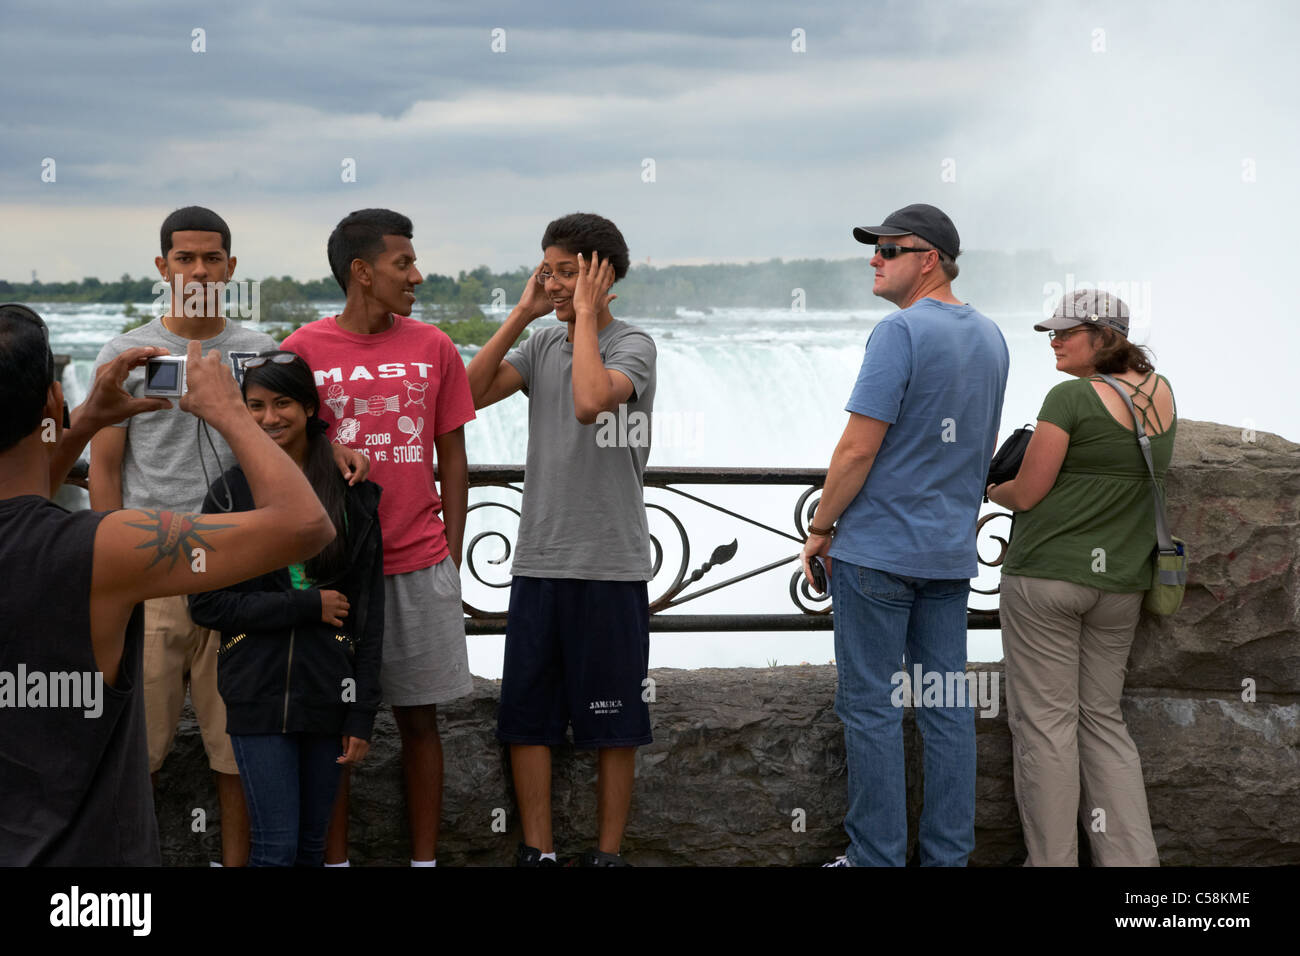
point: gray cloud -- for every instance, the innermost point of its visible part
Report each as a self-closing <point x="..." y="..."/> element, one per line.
<point x="759" y="151"/>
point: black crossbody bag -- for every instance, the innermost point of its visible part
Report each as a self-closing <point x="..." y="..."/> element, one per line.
<point x="1006" y="463"/>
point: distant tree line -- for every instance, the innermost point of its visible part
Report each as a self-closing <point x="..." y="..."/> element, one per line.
<point x="1002" y="281"/>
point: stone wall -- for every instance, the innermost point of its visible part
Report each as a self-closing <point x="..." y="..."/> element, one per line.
<point x="1212" y="701"/>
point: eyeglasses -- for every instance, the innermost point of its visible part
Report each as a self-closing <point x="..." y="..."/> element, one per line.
<point x="563" y="276"/>
<point x="891" y="250"/>
<point x="1061" y="334"/>
<point x="279" y="358"/>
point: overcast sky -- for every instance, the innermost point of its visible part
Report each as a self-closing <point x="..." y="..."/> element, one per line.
<point x="1145" y="142"/>
<point x="1119" y="147"/>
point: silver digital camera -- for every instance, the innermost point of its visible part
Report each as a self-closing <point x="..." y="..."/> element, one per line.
<point x="164" y="376"/>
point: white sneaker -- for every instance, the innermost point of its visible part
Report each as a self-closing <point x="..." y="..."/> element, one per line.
<point x="839" y="861"/>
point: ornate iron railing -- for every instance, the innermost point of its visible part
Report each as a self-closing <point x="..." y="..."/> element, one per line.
<point x="813" y="611"/>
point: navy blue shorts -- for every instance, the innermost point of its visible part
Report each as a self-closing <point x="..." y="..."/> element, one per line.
<point x="576" y="652"/>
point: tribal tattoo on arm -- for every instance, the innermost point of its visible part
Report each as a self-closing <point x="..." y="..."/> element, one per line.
<point x="171" y="534"/>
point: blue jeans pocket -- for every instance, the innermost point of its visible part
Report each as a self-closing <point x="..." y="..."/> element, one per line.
<point x="882" y="585"/>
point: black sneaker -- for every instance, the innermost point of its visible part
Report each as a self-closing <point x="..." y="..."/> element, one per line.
<point x="531" y="856"/>
<point x="600" y="858"/>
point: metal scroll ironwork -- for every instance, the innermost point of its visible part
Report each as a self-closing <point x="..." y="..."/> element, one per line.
<point x="809" y="611"/>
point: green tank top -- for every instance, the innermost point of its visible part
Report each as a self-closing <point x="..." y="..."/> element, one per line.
<point x="1097" y="525"/>
<point x="298" y="575"/>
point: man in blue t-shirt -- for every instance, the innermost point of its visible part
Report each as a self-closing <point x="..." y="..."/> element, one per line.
<point x="901" y="500"/>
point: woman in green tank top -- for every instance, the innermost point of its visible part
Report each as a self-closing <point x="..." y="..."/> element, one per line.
<point x="1073" y="581"/>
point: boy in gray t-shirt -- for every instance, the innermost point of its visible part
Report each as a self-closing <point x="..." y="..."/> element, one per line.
<point x="155" y="461"/>
<point x="578" y="632"/>
<point x="579" y="477"/>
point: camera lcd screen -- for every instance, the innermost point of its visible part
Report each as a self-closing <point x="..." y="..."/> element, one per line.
<point x="162" y="375"/>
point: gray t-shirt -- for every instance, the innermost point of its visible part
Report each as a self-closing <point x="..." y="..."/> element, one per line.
<point x="160" y="466"/>
<point x="583" y="513"/>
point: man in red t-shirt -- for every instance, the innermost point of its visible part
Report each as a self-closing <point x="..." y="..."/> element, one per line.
<point x="396" y="389"/>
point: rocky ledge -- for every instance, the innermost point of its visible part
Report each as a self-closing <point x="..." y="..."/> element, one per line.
<point x="747" y="767"/>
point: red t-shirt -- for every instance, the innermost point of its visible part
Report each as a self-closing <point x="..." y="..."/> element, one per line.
<point x="389" y="395"/>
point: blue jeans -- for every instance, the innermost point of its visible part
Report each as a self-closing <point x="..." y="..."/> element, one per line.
<point x="884" y="624"/>
<point x="290" y="782"/>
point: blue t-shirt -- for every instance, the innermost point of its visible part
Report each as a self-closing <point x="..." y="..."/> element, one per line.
<point x="936" y="373"/>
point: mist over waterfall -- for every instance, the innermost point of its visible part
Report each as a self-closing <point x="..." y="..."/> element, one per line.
<point x="733" y="390"/>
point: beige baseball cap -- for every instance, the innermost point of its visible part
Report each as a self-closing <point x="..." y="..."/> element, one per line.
<point x="1088" y="307"/>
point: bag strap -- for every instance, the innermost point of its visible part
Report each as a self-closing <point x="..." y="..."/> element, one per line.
<point x="1163" y="537"/>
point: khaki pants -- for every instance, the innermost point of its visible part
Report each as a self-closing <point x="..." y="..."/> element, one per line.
<point x="178" y="652"/>
<point x="1066" y="648"/>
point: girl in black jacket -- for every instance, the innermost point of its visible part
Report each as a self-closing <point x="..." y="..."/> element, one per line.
<point x="298" y="665"/>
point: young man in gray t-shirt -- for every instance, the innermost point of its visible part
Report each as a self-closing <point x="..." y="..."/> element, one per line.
<point x="578" y="633"/>
<point x="157" y="460"/>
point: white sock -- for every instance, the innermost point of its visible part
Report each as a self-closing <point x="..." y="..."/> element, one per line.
<point x="344" y="863"/>
<point x="549" y="856"/>
<point x="424" y="863"/>
<point x="215" y="863"/>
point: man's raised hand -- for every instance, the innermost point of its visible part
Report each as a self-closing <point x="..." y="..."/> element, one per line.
<point x="210" y="389"/>
<point x="107" y="402"/>
<point x="535" y="303"/>
<point x="594" y="279"/>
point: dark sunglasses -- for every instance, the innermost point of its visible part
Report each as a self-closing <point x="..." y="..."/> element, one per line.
<point x="891" y="250"/>
<point x="279" y="358"/>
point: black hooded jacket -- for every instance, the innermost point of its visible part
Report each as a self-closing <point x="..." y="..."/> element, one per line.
<point x="280" y="669"/>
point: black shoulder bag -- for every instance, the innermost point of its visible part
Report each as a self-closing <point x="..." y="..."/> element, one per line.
<point x="1006" y="463"/>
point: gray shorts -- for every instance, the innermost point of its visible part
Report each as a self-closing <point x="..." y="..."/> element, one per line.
<point x="425" y="661"/>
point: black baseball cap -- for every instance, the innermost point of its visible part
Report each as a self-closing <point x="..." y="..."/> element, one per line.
<point x="918" y="219"/>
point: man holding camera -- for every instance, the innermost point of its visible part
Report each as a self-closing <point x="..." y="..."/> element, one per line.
<point x="74" y="779"/>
